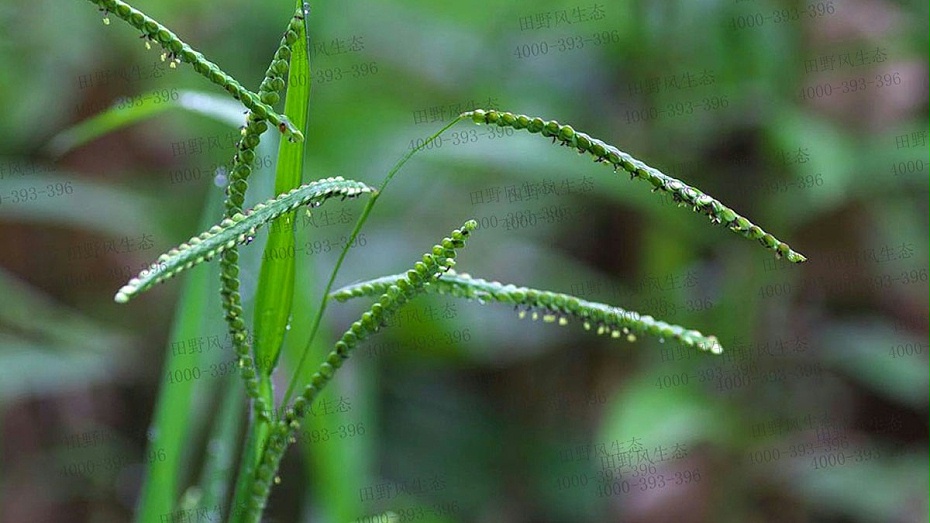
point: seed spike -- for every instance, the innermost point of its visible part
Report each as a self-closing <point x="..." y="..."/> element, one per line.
<point x="716" y="212"/>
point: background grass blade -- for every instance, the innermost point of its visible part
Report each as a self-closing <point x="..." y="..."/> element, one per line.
<point x="172" y="423"/>
<point x="217" y="473"/>
<point x="141" y="108"/>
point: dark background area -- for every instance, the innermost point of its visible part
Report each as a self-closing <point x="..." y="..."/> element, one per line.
<point x="810" y="118"/>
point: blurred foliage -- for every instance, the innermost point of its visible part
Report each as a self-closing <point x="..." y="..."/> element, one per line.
<point x="458" y="412"/>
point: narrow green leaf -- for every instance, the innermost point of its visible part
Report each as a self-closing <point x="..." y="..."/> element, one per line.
<point x="171" y="426"/>
<point x="217" y="472"/>
<point x="275" y="292"/>
<point x="238" y="229"/>
<point x="243" y="161"/>
<point x="603" y="152"/>
<point x="550" y="306"/>
<point x="121" y="115"/>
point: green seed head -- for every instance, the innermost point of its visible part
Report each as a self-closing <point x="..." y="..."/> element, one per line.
<point x="535" y="125"/>
<point x="551" y="128"/>
<point x="582" y="142"/>
<point x="291" y="37"/>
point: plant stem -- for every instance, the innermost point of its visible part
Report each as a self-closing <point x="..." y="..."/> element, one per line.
<point x="345" y="249"/>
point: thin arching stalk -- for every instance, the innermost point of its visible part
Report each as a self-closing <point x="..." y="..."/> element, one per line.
<point x="345" y="249"/>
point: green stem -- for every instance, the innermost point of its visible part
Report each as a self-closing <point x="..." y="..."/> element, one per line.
<point x="345" y="249"/>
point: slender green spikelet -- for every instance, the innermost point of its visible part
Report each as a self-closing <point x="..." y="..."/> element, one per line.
<point x="269" y="91"/>
<point x="178" y="51"/>
<point x="550" y="306"/>
<point x="403" y="288"/>
<point x="681" y="192"/>
<point x="238" y="229"/>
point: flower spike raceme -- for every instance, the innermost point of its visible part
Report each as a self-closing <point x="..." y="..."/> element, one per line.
<point x="178" y="51"/>
<point x="603" y="152"/>
<point x="235" y="230"/>
<point x="550" y="306"/>
<point x="404" y="287"/>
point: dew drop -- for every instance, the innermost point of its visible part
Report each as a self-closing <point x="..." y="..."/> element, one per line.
<point x="249" y="239"/>
<point x="219" y="178"/>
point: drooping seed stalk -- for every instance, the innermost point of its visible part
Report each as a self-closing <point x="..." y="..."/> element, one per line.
<point x="178" y="51"/>
<point x="237" y="229"/>
<point x="603" y="152"/>
<point x="550" y="306"/>
<point x="432" y="265"/>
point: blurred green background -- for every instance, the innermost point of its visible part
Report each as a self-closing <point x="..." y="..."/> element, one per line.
<point x="808" y="117"/>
